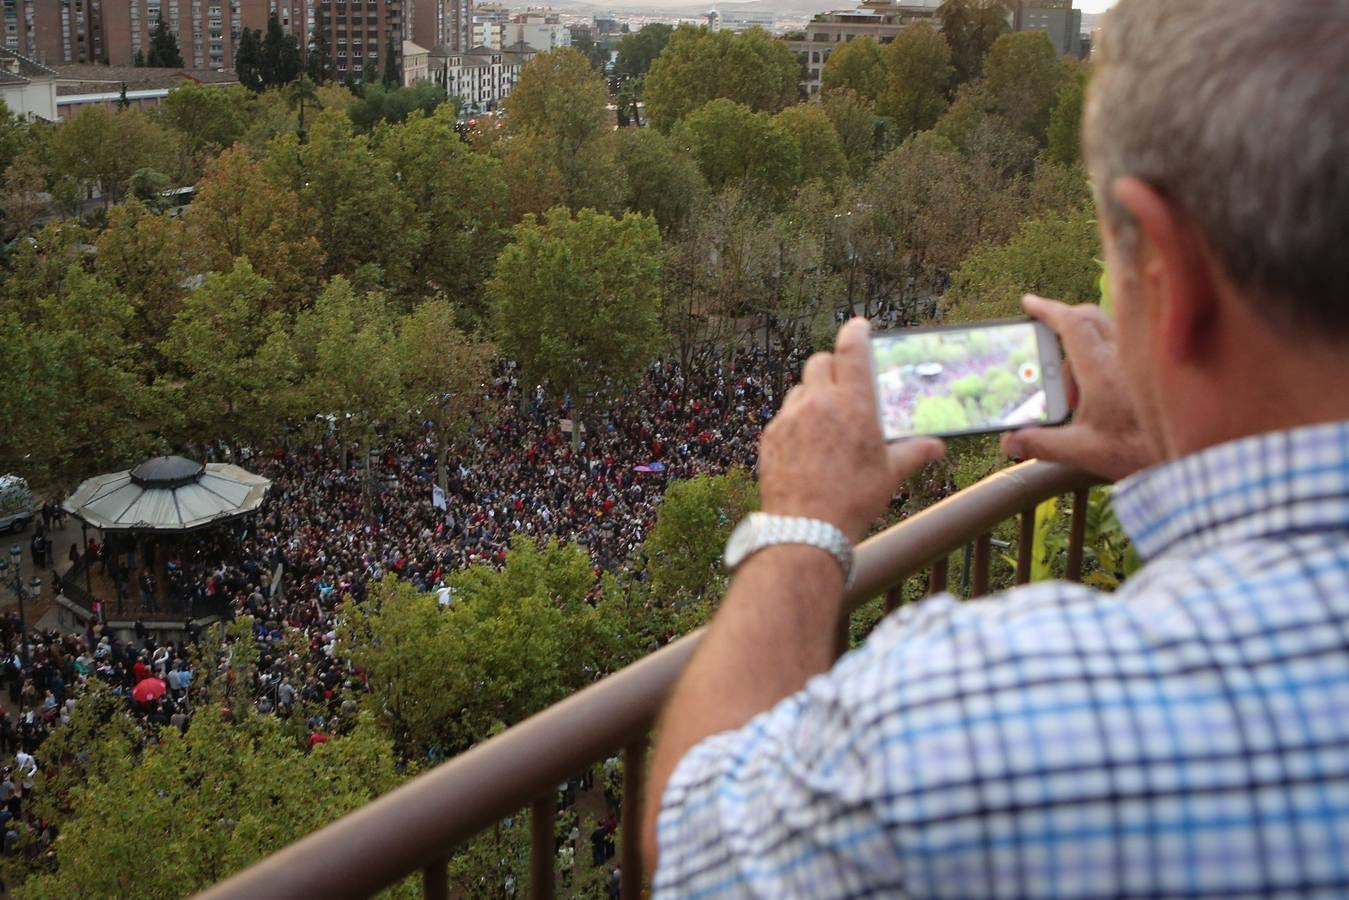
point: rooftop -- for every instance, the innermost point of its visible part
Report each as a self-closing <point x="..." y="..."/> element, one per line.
<point x="18" y="69"/>
<point x="93" y="78"/>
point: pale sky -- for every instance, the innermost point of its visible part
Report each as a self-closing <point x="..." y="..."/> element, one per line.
<point x="1094" y="6"/>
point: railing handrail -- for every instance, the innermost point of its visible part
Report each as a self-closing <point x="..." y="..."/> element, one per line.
<point x="419" y="822"/>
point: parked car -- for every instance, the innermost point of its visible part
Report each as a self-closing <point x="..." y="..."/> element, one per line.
<point x="17" y="506"/>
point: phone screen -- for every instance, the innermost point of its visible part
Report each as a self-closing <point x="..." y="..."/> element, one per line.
<point x="959" y="380"/>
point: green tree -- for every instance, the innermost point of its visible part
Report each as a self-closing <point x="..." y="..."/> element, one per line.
<point x="857" y="66"/>
<point x="238" y="212"/>
<point x="73" y="342"/>
<point x="662" y="182"/>
<point x="16" y="135"/>
<point x="380" y="104"/>
<point x="638" y="50"/>
<point x="1023" y="76"/>
<point x="233" y="358"/>
<point x="459" y="203"/>
<point x="559" y="110"/>
<point x="855" y="121"/>
<point x="279" y="55"/>
<point x="512" y="642"/>
<point x="1054" y="255"/>
<point x="143" y="256"/>
<point x="163" y="47"/>
<point x="584" y="43"/>
<point x="443" y="371"/>
<point x="697" y="66"/>
<point x="1065" y="120"/>
<point x="937" y="414"/>
<point x="734" y="145"/>
<point x="248" y="60"/>
<point x="301" y="94"/>
<point x="347" y="351"/>
<point x="971" y="27"/>
<point x="23" y="197"/>
<point x="576" y="301"/>
<point x="820" y="147"/>
<point x="350" y="194"/>
<point x="393" y="73"/>
<point x="918" y="70"/>
<point x="104" y="148"/>
<point x="803" y="288"/>
<point x="718" y="272"/>
<point x="210" y="118"/>
<point x="693" y="523"/>
<point x="265" y="791"/>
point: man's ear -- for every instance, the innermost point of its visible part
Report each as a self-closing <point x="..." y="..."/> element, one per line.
<point x="1174" y="271"/>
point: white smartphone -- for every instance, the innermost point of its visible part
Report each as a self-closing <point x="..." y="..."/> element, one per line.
<point x="980" y="378"/>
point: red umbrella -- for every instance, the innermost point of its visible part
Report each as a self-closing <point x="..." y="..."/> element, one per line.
<point x="149" y="690"/>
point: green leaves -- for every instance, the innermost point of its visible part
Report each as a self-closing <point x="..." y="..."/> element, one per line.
<point x="172" y="816"/>
<point x="576" y="301"/>
<point x="752" y="69"/>
<point x="735" y="146"/>
<point x="695" y="521"/>
<point x="514" y="641"/>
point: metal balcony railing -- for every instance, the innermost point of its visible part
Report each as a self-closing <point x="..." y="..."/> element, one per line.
<point x="414" y="828"/>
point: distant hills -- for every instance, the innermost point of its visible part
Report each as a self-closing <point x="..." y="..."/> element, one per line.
<point x="784" y="8"/>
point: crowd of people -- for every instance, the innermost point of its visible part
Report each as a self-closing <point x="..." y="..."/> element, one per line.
<point x="324" y="535"/>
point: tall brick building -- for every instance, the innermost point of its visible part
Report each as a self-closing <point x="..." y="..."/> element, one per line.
<point x="53" y="31"/>
<point x="208" y="31"/>
<point x="439" y="23"/>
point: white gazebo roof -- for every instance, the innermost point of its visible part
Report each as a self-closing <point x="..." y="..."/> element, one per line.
<point x="167" y="494"/>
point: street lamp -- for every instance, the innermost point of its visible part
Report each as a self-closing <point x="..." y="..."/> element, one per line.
<point x="20" y="591"/>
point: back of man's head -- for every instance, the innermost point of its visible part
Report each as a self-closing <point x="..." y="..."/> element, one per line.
<point x="1238" y="112"/>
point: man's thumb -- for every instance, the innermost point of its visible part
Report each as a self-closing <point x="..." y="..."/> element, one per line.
<point x="1038" y="443"/>
<point x="909" y="457"/>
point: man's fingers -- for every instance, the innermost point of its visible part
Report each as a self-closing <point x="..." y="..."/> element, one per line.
<point x="819" y="369"/>
<point x="1054" y="444"/>
<point x="852" y="353"/>
<point x="1051" y="312"/>
<point x="908" y="457"/>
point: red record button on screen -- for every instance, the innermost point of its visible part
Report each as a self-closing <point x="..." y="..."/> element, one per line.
<point x="1030" y="373"/>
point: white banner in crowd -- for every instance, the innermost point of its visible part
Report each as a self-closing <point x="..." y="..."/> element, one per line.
<point x="438" y="497"/>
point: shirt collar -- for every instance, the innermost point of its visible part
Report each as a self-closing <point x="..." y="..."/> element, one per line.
<point x="1283" y="482"/>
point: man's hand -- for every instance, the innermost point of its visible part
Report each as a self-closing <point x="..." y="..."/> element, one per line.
<point x="823" y="456"/>
<point x="1104" y="437"/>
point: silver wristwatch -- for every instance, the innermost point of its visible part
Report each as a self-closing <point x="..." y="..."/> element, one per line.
<point x="760" y="530"/>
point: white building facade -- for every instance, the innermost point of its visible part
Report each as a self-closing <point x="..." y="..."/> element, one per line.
<point x="482" y="78"/>
<point x="27" y="88"/>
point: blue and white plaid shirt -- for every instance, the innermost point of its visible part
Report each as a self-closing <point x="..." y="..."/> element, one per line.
<point x="1186" y="736"/>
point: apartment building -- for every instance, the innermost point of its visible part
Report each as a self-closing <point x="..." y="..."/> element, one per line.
<point x="541" y="29"/>
<point x="878" y="19"/>
<point x="113" y="32"/>
<point x="481" y="78"/>
<point x="51" y="32"/>
<point x="489" y="25"/>
<point x="1056" y="18"/>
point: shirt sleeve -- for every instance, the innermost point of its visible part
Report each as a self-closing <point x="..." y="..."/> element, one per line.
<point x="787" y="805"/>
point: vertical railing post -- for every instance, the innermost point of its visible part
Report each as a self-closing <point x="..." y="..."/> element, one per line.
<point x="634" y="781"/>
<point x="1025" y="544"/>
<point x="1077" y="537"/>
<point x="543" y="835"/>
<point x="894" y="598"/>
<point x="436" y="880"/>
<point x="982" y="563"/>
<point x="940" y="569"/>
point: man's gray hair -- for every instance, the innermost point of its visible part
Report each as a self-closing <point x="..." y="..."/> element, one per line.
<point x="1238" y="112"/>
